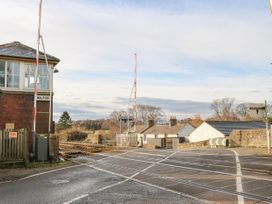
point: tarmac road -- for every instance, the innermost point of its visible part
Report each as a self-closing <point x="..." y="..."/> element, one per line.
<point x="150" y="176"/>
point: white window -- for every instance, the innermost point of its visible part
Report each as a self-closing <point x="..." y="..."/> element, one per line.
<point x="2" y="73"/>
<point x="13" y="74"/>
<point x="43" y="76"/>
<point x="9" y="74"/>
<point x="29" y="76"/>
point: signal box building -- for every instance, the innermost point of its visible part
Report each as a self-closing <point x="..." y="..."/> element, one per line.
<point x="17" y="71"/>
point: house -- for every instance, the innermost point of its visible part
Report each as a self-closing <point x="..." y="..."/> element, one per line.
<point x="159" y="135"/>
<point x="132" y="138"/>
<point x="216" y="129"/>
<point x="17" y="70"/>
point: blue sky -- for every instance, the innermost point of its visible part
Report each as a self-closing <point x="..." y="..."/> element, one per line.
<point x="190" y="52"/>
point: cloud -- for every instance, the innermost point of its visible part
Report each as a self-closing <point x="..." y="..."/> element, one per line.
<point x="79" y="111"/>
<point x="182" y="108"/>
<point x="190" y="52"/>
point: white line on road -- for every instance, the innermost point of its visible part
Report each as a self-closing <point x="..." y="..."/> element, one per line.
<point x="197" y="169"/>
<point x="128" y="179"/>
<point x="75" y="199"/>
<point x="144" y="153"/>
<point x="5" y="182"/>
<point x="239" y="186"/>
<point x="50" y="171"/>
<point x="54" y="170"/>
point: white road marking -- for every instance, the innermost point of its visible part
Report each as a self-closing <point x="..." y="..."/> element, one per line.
<point x="239" y="186"/>
<point x="46" y="172"/>
<point x="197" y="169"/>
<point x="149" y="184"/>
<point x="158" y="155"/>
<point x="54" y="170"/>
<point x="5" y="182"/>
<point x="208" y="154"/>
<point x="75" y="199"/>
<point x="107" y="156"/>
<point x="131" y="178"/>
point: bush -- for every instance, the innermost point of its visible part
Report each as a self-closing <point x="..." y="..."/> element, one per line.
<point x="77" y="136"/>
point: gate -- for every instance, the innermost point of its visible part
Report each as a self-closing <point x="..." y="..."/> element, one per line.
<point x="13" y="145"/>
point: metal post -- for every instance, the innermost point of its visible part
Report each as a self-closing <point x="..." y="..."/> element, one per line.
<point x="135" y="93"/>
<point x="267" y="130"/>
<point x="49" y="86"/>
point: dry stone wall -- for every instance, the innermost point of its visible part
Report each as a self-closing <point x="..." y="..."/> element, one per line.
<point x="248" y="138"/>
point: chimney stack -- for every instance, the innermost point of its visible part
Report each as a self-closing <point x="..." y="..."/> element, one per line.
<point x="173" y="121"/>
<point x="151" y="123"/>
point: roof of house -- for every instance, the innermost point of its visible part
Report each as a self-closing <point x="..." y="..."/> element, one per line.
<point x="18" y="50"/>
<point x="165" y="129"/>
<point x="226" y="127"/>
<point x="141" y="128"/>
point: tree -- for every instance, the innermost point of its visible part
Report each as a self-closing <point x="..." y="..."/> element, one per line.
<point x="196" y="120"/>
<point x="65" y="121"/>
<point x="146" y="112"/>
<point x="117" y="115"/>
<point x="241" y="110"/>
<point x="223" y="109"/>
<point x="116" y="121"/>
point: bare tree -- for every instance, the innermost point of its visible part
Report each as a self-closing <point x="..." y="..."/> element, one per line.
<point x="241" y="110"/>
<point x="117" y="115"/>
<point x="146" y="112"/>
<point x="223" y="109"/>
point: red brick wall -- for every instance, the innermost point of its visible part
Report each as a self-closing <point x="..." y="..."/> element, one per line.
<point x="17" y="108"/>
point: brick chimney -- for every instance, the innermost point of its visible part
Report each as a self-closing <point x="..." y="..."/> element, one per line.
<point x="151" y="122"/>
<point x="173" y="121"/>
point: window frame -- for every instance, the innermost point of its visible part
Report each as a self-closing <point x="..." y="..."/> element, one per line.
<point x="5" y="74"/>
<point x="26" y="66"/>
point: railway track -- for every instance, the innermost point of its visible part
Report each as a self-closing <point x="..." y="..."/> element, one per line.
<point x="71" y="149"/>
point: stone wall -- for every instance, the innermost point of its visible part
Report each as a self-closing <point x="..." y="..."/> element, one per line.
<point x="248" y="138"/>
<point x="194" y="144"/>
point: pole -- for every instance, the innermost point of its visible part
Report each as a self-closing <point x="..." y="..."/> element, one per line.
<point x="50" y="78"/>
<point x="49" y="86"/>
<point x="36" y="77"/>
<point x="135" y="93"/>
<point x="267" y="130"/>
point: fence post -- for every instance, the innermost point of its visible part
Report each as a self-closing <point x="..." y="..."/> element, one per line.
<point x="26" y="158"/>
<point x="1" y="145"/>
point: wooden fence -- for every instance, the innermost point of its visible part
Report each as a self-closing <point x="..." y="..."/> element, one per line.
<point x="13" y="145"/>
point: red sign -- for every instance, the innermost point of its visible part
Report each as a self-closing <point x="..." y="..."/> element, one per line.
<point x="12" y="135"/>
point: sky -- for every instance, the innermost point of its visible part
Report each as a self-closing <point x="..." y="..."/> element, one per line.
<point x="189" y="52"/>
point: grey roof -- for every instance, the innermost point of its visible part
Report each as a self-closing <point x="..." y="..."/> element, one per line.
<point x="165" y="129"/>
<point x="18" y="50"/>
<point x="226" y="127"/>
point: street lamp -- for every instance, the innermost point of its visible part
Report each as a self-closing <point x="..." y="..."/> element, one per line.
<point x="55" y="71"/>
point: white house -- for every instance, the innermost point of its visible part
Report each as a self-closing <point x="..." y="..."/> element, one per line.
<point x="216" y="129"/>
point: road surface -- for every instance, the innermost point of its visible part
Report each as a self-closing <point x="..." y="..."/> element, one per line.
<point x="150" y="176"/>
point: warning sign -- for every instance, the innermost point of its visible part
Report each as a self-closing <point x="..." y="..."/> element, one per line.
<point x="12" y="135"/>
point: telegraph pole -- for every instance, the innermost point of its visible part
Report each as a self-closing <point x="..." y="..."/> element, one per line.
<point x="267" y="129"/>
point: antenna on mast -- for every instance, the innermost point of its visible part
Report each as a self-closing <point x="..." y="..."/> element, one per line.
<point x="135" y="92"/>
<point x="133" y="98"/>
